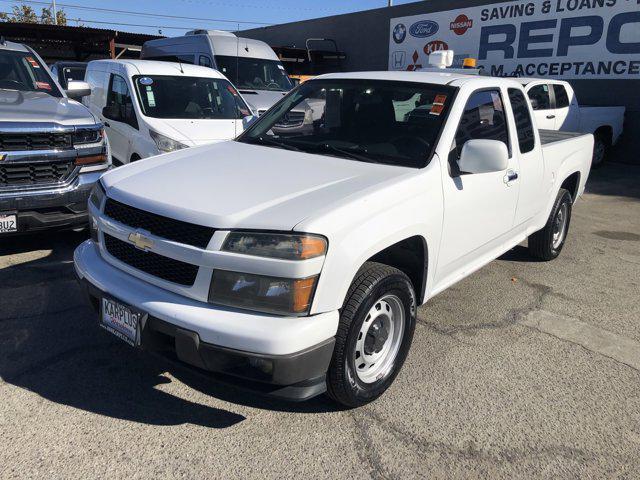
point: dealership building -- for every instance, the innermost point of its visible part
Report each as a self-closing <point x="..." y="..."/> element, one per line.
<point x="594" y="44"/>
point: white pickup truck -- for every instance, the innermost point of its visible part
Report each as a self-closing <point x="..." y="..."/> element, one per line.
<point x="556" y="107"/>
<point x="294" y="262"/>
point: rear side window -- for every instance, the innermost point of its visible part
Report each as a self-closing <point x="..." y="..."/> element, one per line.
<point x="540" y="98"/>
<point x="483" y="118"/>
<point x="524" y="125"/>
<point x="562" y="99"/>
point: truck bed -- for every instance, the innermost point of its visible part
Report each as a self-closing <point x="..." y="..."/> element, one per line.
<point x="552" y="136"/>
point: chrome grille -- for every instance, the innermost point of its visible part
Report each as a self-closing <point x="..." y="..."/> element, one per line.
<point x="34" y="173"/>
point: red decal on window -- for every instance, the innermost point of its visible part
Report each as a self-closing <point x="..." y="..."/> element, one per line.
<point x="33" y="62"/>
<point x="440" y="99"/>
<point x="43" y="85"/>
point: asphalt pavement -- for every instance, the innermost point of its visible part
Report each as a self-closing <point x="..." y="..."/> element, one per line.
<point x="524" y="370"/>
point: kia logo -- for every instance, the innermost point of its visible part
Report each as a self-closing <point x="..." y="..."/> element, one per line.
<point x="434" y="46"/>
<point x="424" y="28"/>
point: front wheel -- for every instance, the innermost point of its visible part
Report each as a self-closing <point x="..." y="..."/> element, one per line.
<point x="546" y="244"/>
<point x="374" y="335"/>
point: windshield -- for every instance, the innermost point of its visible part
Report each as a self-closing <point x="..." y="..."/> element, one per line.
<point x="163" y="96"/>
<point x="22" y="71"/>
<point x="254" y="73"/>
<point x="396" y="123"/>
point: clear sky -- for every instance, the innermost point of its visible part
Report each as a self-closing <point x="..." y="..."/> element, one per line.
<point x="205" y="11"/>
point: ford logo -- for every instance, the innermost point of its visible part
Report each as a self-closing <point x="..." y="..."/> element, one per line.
<point x="424" y="28"/>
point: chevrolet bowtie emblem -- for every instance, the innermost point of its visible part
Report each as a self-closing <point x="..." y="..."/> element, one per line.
<point x="140" y="241"/>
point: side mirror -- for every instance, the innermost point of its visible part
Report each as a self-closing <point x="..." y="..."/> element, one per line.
<point x="484" y="156"/>
<point x="77" y="89"/>
<point x="111" y="112"/>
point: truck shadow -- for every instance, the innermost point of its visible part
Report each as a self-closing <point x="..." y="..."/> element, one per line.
<point x="51" y="345"/>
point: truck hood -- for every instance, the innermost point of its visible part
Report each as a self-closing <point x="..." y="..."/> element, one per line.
<point x="196" y="132"/>
<point x="235" y="185"/>
<point x="18" y="106"/>
<point x="261" y="99"/>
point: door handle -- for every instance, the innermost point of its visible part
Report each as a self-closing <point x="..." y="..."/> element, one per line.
<point x="510" y="176"/>
<point x="551" y="117"/>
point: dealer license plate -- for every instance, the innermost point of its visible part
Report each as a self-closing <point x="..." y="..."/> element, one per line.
<point x="8" y="223"/>
<point x="121" y="320"/>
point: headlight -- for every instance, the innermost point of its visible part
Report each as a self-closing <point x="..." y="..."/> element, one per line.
<point x="90" y="144"/>
<point x="97" y="195"/>
<point x="166" y="144"/>
<point x="85" y="137"/>
<point x="96" y="198"/>
<point x="282" y="296"/>
<point x="276" y="245"/>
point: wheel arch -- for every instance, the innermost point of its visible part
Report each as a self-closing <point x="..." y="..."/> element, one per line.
<point x="606" y="131"/>
<point x="572" y="184"/>
<point x="409" y="255"/>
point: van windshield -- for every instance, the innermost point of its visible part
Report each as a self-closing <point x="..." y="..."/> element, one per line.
<point x="254" y="73"/>
<point x="23" y="72"/>
<point x="376" y="121"/>
<point x="164" y="96"/>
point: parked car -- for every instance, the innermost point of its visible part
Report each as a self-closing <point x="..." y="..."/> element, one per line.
<point x="297" y="261"/>
<point x="66" y="72"/>
<point x="251" y="65"/>
<point x="52" y="150"/>
<point x="156" y="107"/>
<point x="556" y="107"/>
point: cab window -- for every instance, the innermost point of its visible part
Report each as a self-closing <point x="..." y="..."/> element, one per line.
<point x="540" y="97"/>
<point x="524" y="125"/>
<point x="483" y="118"/>
<point x="119" y="102"/>
<point x="562" y="98"/>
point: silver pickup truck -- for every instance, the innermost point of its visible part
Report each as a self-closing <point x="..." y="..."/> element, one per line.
<point x="52" y="149"/>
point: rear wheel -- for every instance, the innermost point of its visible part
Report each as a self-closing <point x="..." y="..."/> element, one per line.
<point x="546" y="244"/>
<point x="600" y="147"/>
<point x="374" y="335"/>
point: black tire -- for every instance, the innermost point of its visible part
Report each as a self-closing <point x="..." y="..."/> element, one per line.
<point x="601" y="145"/>
<point x="541" y="243"/>
<point x="372" y="282"/>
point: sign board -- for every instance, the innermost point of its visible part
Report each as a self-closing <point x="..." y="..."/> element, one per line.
<point x="577" y="39"/>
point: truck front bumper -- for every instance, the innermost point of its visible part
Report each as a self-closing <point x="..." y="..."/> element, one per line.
<point x="64" y="207"/>
<point x="260" y="352"/>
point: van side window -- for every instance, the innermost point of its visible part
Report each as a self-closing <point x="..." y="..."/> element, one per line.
<point x="540" y="98"/>
<point x="562" y="98"/>
<point x="483" y="118"/>
<point x="120" y="97"/>
<point x="524" y="125"/>
<point x="205" y="61"/>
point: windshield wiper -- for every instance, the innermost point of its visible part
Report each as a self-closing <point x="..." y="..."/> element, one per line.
<point x="326" y="147"/>
<point x="275" y="143"/>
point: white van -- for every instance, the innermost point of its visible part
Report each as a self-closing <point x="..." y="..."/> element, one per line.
<point x="250" y="64"/>
<point x="150" y="108"/>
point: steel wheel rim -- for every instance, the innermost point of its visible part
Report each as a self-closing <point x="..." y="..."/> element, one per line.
<point x="560" y="225"/>
<point x="379" y="339"/>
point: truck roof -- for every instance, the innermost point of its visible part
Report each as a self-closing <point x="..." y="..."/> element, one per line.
<point x="13" y="46"/>
<point x="528" y="80"/>
<point x="156" y="67"/>
<point x="437" y="78"/>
